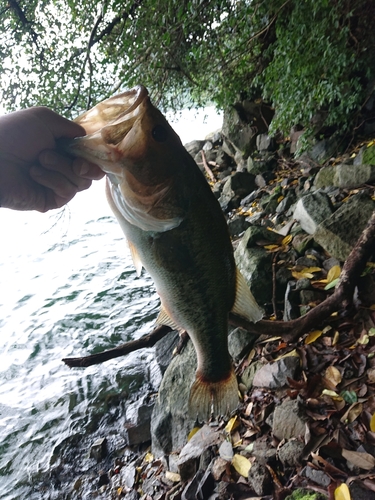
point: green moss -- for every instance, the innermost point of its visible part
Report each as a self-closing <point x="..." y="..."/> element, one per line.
<point x="369" y="156"/>
<point x="302" y="494"/>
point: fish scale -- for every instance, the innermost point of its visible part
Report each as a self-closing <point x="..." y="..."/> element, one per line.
<point x="176" y="230"/>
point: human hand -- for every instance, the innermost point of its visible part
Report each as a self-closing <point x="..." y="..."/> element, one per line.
<point x="33" y="174"/>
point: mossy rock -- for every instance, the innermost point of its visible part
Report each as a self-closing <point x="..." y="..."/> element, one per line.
<point x="302" y="494"/>
<point x="368" y="157"/>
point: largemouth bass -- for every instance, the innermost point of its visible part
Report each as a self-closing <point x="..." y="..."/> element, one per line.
<point x="176" y="230"/>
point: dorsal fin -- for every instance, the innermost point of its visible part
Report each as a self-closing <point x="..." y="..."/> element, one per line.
<point x="136" y="259"/>
<point x="245" y="305"/>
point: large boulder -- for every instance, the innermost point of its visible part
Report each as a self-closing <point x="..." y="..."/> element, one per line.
<point x="345" y="176"/>
<point x="311" y="210"/>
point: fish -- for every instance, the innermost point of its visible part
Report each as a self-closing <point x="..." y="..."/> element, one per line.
<point x="176" y="230"/>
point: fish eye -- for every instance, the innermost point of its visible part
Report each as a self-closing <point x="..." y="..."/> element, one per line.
<point x="159" y="133"/>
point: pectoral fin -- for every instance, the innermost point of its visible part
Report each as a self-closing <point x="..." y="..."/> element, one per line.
<point x="245" y="304"/>
<point x="136" y="259"/>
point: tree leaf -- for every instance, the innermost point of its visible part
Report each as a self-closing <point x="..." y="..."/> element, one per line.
<point x="332" y="284"/>
<point x="232" y="424"/>
<point x="333" y="273"/>
<point x="312" y="336"/>
<point x="241" y="464"/>
<point x="333" y="375"/>
<point x="372" y="423"/>
<point x="342" y="492"/>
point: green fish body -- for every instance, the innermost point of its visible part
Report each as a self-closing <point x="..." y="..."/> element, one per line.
<point x="176" y="230"/>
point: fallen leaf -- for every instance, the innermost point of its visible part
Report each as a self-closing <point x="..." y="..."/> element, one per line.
<point x="173" y="476"/>
<point x="333" y="273"/>
<point x="192" y="432"/>
<point x="352" y="413"/>
<point x="241" y="464"/>
<point x="333" y="375"/>
<point x="372" y="423"/>
<point x="287" y="239"/>
<point x="271" y="248"/>
<point x="361" y="460"/>
<point x="349" y="396"/>
<point x="331" y="394"/>
<point x="149" y="457"/>
<point x="232" y="424"/>
<point x="342" y="492"/>
<point x="332" y="284"/>
<point x="312" y="336"/>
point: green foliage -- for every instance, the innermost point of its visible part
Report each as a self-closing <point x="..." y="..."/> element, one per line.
<point x="308" y="58"/>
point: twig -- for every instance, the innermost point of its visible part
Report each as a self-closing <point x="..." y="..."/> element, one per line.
<point x="148" y="340"/>
<point x="289" y="330"/>
<point x="206" y="167"/>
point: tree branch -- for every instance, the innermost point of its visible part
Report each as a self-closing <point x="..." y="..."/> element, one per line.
<point x="289" y="330"/>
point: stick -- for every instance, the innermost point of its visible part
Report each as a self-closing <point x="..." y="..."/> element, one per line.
<point x="207" y="168"/>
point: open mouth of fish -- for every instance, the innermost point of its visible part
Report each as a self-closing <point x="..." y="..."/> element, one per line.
<point x="107" y="125"/>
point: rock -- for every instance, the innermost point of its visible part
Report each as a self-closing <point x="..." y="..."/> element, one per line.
<point x="318" y="476"/>
<point x="194" y="147"/>
<point x="287" y="421"/>
<point x="309" y="296"/>
<point x="240" y="342"/>
<point x="275" y="375"/>
<point x="237" y="225"/>
<point x="255" y="265"/>
<point x="264" y="142"/>
<point x="243" y="183"/>
<point x="260" y="479"/>
<point x="339" y="233"/>
<point x="164" y="350"/>
<point x="301" y="242"/>
<point x="170" y="424"/>
<point x="261" y="165"/>
<point x="189" y="457"/>
<point x="302" y="494"/>
<point x="311" y="210"/>
<point x="291" y="453"/>
<point x="218" y="468"/>
<point x="345" y="176"/>
<point x="238" y="133"/>
<point x="323" y="150"/>
<point x="128" y="475"/>
<point x="286" y="203"/>
<point x="226" y="451"/>
<point x="263" y="451"/>
<point x="99" y="449"/>
<point x="360" y="492"/>
<point x="190" y="491"/>
<point x="137" y="427"/>
<point x="248" y="374"/>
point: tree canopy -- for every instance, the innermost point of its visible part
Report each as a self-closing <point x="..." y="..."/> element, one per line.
<point x="300" y="56"/>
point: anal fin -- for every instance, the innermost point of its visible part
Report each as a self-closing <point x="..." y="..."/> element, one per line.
<point x="245" y="305"/>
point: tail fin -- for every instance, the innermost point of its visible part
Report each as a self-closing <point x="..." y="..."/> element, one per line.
<point x="213" y="398"/>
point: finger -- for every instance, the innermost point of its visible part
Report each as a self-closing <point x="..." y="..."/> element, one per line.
<point x="55" y="162"/>
<point x="83" y="168"/>
<point x="58" y="125"/>
<point x="57" y="182"/>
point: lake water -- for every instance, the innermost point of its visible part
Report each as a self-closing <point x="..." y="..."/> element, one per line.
<point x="68" y="288"/>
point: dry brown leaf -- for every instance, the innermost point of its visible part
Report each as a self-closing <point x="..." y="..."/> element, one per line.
<point x="352" y="413"/>
<point x="362" y="460"/>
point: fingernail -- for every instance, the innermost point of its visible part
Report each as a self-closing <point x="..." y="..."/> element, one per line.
<point x="81" y="167"/>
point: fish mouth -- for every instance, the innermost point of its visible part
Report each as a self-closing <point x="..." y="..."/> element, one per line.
<point x="106" y="125"/>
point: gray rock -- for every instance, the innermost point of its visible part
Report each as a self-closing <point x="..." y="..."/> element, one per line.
<point x="311" y="210"/>
<point x="137" y="427"/>
<point x="318" y="476"/>
<point x="164" y="350"/>
<point x="170" y="424"/>
<point x="240" y="342"/>
<point x="263" y="451"/>
<point x="345" y="176"/>
<point x="287" y="421"/>
<point x="226" y="451"/>
<point x="249" y="372"/>
<point x="260" y="479"/>
<point x="275" y="375"/>
<point x="290" y="454"/>
<point x="128" y="475"/>
<point x="235" y="131"/>
<point x="264" y="142"/>
<point x="359" y="492"/>
<point x="243" y="183"/>
<point x="194" y="147"/>
<point x="99" y="449"/>
<point x="190" y="454"/>
<point x="339" y="233"/>
<point x="227" y="194"/>
<point x="323" y="150"/>
<point x="255" y="265"/>
<point x="190" y="490"/>
<point x="237" y="225"/>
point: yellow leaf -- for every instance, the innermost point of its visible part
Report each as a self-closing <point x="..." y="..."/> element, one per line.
<point x="372" y="423"/>
<point x="173" y="476"/>
<point x="192" y="432"/>
<point x="333" y="273"/>
<point x="241" y="464"/>
<point x="149" y="457"/>
<point x="352" y="413"/>
<point x="342" y="492"/>
<point x="287" y="239"/>
<point x="312" y="336"/>
<point x="300" y="275"/>
<point x="311" y="269"/>
<point x="271" y="247"/>
<point x="232" y="424"/>
<point x="332" y="394"/>
<point x="333" y="375"/>
<point x="280" y="198"/>
<point x="293" y="353"/>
